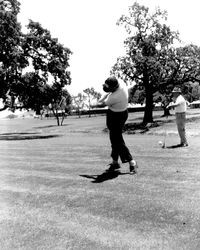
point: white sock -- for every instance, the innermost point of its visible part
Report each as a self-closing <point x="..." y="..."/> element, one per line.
<point x="132" y="163"/>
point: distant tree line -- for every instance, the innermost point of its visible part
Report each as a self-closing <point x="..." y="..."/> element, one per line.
<point x="84" y="100"/>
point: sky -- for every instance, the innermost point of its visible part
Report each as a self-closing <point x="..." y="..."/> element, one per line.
<point x="88" y="28"/>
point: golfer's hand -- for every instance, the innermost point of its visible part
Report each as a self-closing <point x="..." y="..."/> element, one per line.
<point x="102" y="99"/>
<point x="93" y="106"/>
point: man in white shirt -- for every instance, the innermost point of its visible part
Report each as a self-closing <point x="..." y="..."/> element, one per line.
<point x="180" y="105"/>
<point x="117" y="114"/>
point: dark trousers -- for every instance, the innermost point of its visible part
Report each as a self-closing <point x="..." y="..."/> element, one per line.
<point x="180" y="121"/>
<point x="115" y="122"/>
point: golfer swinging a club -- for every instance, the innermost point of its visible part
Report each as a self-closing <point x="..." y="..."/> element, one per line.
<point x="117" y="101"/>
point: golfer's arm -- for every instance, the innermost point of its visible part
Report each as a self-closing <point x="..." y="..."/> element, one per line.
<point x="173" y="105"/>
<point x="102" y="99"/>
<point x="100" y="104"/>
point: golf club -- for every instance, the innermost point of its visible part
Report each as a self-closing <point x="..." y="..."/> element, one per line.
<point x="165" y="134"/>
<point x="163" y="143"/>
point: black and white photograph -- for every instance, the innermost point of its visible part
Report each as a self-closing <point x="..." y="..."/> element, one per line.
<point x="99" y="125"/>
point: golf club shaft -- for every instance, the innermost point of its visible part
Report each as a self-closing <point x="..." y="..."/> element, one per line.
<point x="165" y="134"/>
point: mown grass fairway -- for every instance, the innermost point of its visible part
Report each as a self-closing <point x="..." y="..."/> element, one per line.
<point x="54" y="195"/>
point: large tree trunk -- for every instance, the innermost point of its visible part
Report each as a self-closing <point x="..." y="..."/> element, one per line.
<point x="58" y="120"/>
<point x="55" y="112"/>
<point x="37" y="110"/>
<point x="148" y="112"/>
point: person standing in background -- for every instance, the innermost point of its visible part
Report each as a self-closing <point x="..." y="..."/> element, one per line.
<point x="180" y="105"/>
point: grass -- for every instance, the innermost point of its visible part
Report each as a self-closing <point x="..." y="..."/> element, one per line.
<point x="54" y="193"/>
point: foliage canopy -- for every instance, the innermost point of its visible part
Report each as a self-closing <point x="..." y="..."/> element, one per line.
<point x="152" y="61"/>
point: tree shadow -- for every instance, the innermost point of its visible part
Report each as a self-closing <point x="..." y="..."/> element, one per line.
<point x="105" y="176"/>
<point x="51" y="126"/>
<point x="139" y="127"/>
<point x="24" y="136"/>
<point x="19" y="133"/>
<point x="193" y="119"/>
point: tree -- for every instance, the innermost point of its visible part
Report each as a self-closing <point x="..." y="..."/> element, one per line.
<point x="49" y="61"/>
<point x="60" y="104"/>
<point x="31" y="91"/>
<point x="12" y="60"/>
<point x="91" y="95"/>
<point x="152" y="61"/>
<point x="35" y="94"/>
<point x="187" y="64"/>
<point x="183" y="69"/>
<point x="49" y="58"/>
<point x="136" y="95"/>
<point x="31" y="64"/>
<point x="147" y="52"/>
<point x="79" y="102"/>
<point x="195" y="92"/>
<point x="192" y="91"/>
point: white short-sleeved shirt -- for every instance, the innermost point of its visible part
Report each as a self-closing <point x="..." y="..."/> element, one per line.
<point x="182" y="105"/>
<point x="118" y="100"/>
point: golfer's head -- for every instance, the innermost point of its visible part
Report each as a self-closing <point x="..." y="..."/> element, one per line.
<point x="111" y="84"/>
<point x="176" y="91"/>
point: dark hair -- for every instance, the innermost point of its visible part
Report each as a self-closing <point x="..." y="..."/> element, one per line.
<point x="112" y="82"/>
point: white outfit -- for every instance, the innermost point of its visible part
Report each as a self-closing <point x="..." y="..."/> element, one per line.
<point x="118" y="100"/>
<point x="180" y="111"/>
<point x="182" y="104"/>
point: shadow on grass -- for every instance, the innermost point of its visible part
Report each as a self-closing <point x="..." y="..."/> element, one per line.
<point x="140" y="128"/>
<point x="176" y="146"/>
<point x="105" y="176"/>
<point x="132" y="128"/>
<point x="19" y="133"/>
<point x="193" y="119"/>
<point x="24" y="136"/>
<point x="51" y="126"/>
